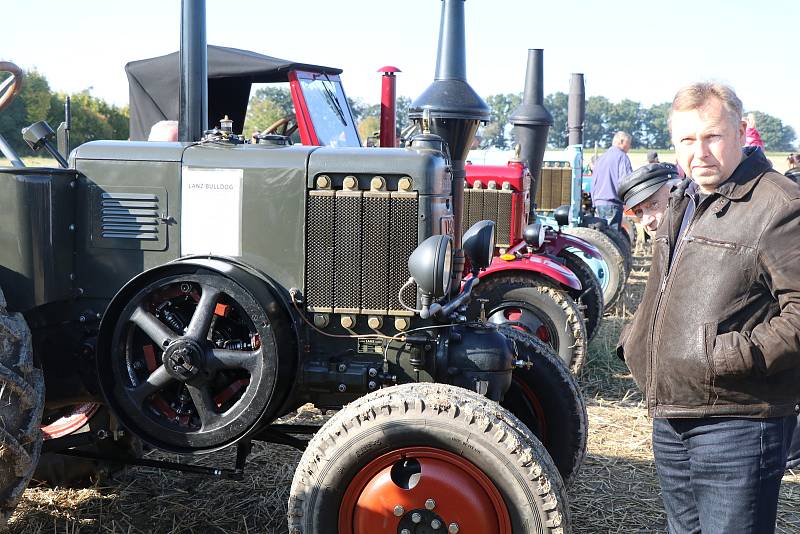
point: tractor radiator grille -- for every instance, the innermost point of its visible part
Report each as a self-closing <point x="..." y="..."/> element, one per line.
<point x="555" y="186"/>
<point x="357" y="249"/>
<point x="492" y="205"/>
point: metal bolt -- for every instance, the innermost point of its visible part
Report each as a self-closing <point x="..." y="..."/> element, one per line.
<point x="71" y="227"/>
<point x="376" y="184"/>
<point x="349" y="182"/>
<point x="323" y="182"/>
<point x="375" y="322"/>
<point x="82" y="318"/>
<point x="404" y="184"/>
<point x="430" y="504"/>
<point x="405" y="531"/>
<point x="402" y="323"/>
<point x="342" y="368"/>
<point x="453" y="528"/>
<point x="347" y="321"/>
<point x="372" y="384"/>
<point x="342" y="388"/>
<point x="435" y="524"/>
<point x="416" y="517"/>
<point x="372" y="372"/>
<point x="399" y="510"/>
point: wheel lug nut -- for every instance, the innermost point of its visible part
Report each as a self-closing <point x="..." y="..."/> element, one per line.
<point x="416" y="517"/>
<point x="435" y="524"/>
<point x="399" y="510"/>
<point x="430" y="504"/>
<point x="453" y="528"/>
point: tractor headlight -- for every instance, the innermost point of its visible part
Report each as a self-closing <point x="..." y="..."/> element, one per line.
<point x="534" y="234"/>
<point x="478" y="243"/>
<point x="430" y="265"/>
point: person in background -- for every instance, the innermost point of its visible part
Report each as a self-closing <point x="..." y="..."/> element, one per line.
<point x="646" y="192"/>
<point x="608" y="170"/>
<point x="652" y="157"/>
<point x="751" y="136"/>
<point x="794" y="167"/>
<point x="164" y="131"/>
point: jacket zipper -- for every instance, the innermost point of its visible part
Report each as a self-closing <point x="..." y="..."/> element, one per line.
<point x="656" y="320"/>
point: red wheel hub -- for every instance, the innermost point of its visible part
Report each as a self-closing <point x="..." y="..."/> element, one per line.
<point x="374" y="502"/>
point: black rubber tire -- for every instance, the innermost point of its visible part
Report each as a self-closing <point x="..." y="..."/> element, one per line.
<point x="525" y="291"/>
<point x="21" y="406"/>
<point x="616" y="236"/>
<point x="559" y="398"/>
<point x="428" y="415"/>
<point x="617" y="273"/>
<point x="73" y="472"/>
<point x="590" y="297"/>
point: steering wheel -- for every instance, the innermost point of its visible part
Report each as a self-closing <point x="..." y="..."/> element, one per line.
<point x="282" y="126"/>
<point x="9" y="88"/>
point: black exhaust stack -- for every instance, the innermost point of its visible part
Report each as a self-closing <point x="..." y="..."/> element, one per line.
<point x="193" y="118"/>
<point x="455" y="111"/>
<point x="576" y="109"/>
<point x="532" y="122"/>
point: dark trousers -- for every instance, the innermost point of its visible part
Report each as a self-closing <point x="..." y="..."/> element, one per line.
<point x="721" y="475"/>
<point x="611" y="213"/>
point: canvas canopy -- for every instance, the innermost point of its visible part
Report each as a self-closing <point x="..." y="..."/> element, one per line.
<point x="155" y="85"/>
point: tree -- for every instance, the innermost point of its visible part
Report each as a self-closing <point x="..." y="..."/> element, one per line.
<point x="626" y="116"/>
<point x="266" y="106"/>
<point x="595" y="127"/>
<point x="501" y="106"/>
<point x="775" y="135"/>
<point x="556" y="104"/>
<point x="655" y="120"/>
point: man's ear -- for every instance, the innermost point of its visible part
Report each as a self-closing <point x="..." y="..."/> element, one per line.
<point x="742" y="131"/>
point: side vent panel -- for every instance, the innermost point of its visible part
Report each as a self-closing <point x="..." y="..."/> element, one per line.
<point x="128" y="217"/>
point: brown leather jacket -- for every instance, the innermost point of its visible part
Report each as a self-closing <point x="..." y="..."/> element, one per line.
<point x="718" y="330"/>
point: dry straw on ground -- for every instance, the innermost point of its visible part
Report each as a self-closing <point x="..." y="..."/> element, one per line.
<point x="616" y="491"/>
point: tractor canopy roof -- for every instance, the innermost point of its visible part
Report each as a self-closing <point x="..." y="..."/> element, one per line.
<point x="155" y="85"/>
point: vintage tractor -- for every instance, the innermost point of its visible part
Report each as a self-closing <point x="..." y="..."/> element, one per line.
<point x="323" y="117"/>
<point x="198" y="290"/>
<point x="599" y="256"/>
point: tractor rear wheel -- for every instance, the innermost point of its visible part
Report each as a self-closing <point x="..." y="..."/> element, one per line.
<point x="533" y="305"/>
<point x="426" y="457"/>
<point x="612" y="263"/>
<point x="21" y="405"/>
<point x="547" y="398"/>
<point x="590" y="296"/>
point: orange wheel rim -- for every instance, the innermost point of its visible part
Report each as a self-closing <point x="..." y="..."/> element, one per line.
<point x="536" y="406"/>
<point x="442" y="487"/>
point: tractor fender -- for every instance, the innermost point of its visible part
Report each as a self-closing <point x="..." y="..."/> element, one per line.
<point x="563" y="241"/>
<point x="536" y="264"/>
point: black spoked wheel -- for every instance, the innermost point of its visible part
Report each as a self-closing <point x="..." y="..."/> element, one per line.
<point x="590" y="297"/>
<point x="193" y="362"/>
<point x="546" y="397"/>
<point x="531" y="305"/>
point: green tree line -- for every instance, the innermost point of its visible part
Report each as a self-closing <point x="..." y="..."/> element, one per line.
<point x="92" y="118"/>
<point x="647" y="125"/>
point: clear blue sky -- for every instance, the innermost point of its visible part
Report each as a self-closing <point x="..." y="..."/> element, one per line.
<point x="638" y="50"/>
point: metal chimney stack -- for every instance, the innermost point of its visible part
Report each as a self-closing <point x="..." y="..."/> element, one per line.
<point x="532" y="122"/>
<point x="193" y="118"/>
<point x="576" y="109"/>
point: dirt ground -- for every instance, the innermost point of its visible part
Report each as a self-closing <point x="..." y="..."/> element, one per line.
<point x="616" y="490"/>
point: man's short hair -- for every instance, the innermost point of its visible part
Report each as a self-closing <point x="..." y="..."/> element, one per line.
<point x="619" y="136"/>
<point x="696" y="95"/>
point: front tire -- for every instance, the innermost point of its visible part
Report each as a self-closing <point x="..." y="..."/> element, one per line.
<point x="590" y="296"/>
<point x="536" y="307"/>
<point x="21" y="405"/>
<point x="426" y="452"/>
<point x="613" y="258"/>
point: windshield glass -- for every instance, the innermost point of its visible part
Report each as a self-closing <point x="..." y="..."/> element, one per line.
<point x="329" y="112"/>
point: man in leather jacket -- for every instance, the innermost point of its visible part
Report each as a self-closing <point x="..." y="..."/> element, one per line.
<point x="715" y="342"/>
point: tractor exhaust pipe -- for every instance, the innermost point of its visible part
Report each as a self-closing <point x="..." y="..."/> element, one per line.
<point x="532" y="122"/>
<point x="388" y="133"/>
<point x="193" y="117"/>
<point x="455" y="112"/>
<point x="576" y="109"/>
<point x="576" y="112"/>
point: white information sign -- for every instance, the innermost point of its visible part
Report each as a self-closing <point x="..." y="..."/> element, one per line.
<point x="211" y="211"/>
